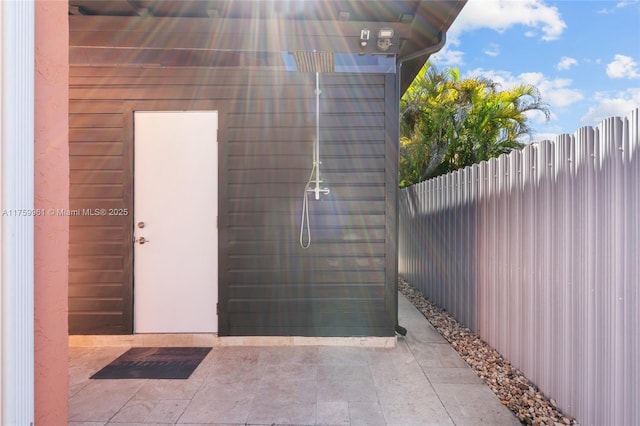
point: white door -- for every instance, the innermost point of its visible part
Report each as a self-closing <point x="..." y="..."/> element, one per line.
<point x="175" y="261"/>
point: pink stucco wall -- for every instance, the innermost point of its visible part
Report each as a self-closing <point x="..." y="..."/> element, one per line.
<point x="51" y="191"/>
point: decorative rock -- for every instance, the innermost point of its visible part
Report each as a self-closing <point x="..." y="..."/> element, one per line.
<point x="513" y="389"/>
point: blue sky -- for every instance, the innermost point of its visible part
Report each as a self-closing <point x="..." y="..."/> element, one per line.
<point x="583" y="55"/>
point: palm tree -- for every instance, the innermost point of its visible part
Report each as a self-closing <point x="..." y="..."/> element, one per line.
<point x="449" y="123"/>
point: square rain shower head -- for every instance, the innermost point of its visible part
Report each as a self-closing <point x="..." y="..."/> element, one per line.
<point x="314" y="61"/>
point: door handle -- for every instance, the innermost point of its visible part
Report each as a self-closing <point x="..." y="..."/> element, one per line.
<point x="141" y="240"/>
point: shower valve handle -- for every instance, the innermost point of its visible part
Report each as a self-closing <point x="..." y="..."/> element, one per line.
<point x="318" y="191"/>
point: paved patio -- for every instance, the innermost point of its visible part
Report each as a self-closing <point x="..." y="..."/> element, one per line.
<point x="422" y="381"/>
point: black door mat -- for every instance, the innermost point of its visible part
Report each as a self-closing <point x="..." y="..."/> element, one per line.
<point x="154" y="363"/>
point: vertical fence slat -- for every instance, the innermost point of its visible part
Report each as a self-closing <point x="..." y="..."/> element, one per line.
<point x="583" y="164"/>
<point x="501" y="288"/>
<point x="633" y="175"/>
<point x="605" y="270"/>
<point x="618" y="236"/>
<point x="539" y="252"/>
<point x="483" y="249"/>
<point x="514" y="212"/>
<point x="492" y="252"/>
<point x="629" y="257"/>
<point x="474" y="179"/>
<point x="563" y="292"/>
<point x="470" y="248"/>
<point x="528" y="231"/>
<point x="544" y="268"/>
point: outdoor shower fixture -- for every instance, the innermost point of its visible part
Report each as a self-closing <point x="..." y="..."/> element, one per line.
<point x="318" y="62"/>
<point x="314" y="183"/>
<point x="316" y="151"/>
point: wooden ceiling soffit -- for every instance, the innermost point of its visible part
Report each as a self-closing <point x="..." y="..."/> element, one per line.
<point x="109" y="39"/>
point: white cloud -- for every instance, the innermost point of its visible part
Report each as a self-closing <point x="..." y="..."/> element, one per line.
<point x="492" y="50"/>
<point x="447" y="57"/>
<point x="539" y="117"/>
<point x="543" y="131"/>
<point x="623" y="67"/>
<point x="619" y="5"/>
<point x="622" y="4"/>
<point x="557" y="92"/>
<point x="566" y="63"/>
<point x="501" y="15"/>
<point x="618" y="104"/>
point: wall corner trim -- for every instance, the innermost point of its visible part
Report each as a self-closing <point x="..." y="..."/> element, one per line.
<point x="17" y="202"/>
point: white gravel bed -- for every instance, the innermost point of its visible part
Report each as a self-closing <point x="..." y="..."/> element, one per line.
<point x="515" y="391"/>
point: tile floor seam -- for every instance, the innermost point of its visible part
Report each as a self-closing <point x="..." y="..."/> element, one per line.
<point x="253" y="399"/>
<point x="71" y="395"/>
<point x="194" y="394"/>
<point x="125" y="403"/>
<point x="315" y="410"/>
<point x="377" y="393"/>
<point x="183" y="410"/>
<point x="438" y="395"/>
<point x="424" y="373"/>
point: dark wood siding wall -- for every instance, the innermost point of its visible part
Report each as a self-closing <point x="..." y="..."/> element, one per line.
<point x="268" y="284"/>
<point x="99" y="270"/>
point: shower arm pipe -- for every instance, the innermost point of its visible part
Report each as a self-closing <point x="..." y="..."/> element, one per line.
<point x="316" y="149"/>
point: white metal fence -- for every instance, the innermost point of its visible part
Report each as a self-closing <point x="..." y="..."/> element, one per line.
<point x="539" y="252"/>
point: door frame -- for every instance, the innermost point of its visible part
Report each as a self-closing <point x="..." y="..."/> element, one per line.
<point x="171" y="105"/>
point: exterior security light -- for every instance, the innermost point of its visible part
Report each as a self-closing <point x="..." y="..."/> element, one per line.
<point x="385" y="33"/>
<point x="364" y="37"/>
<point x="384" y="38"/>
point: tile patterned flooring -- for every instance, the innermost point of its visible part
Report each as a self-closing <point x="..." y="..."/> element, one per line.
<point x="422" y="381"/>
